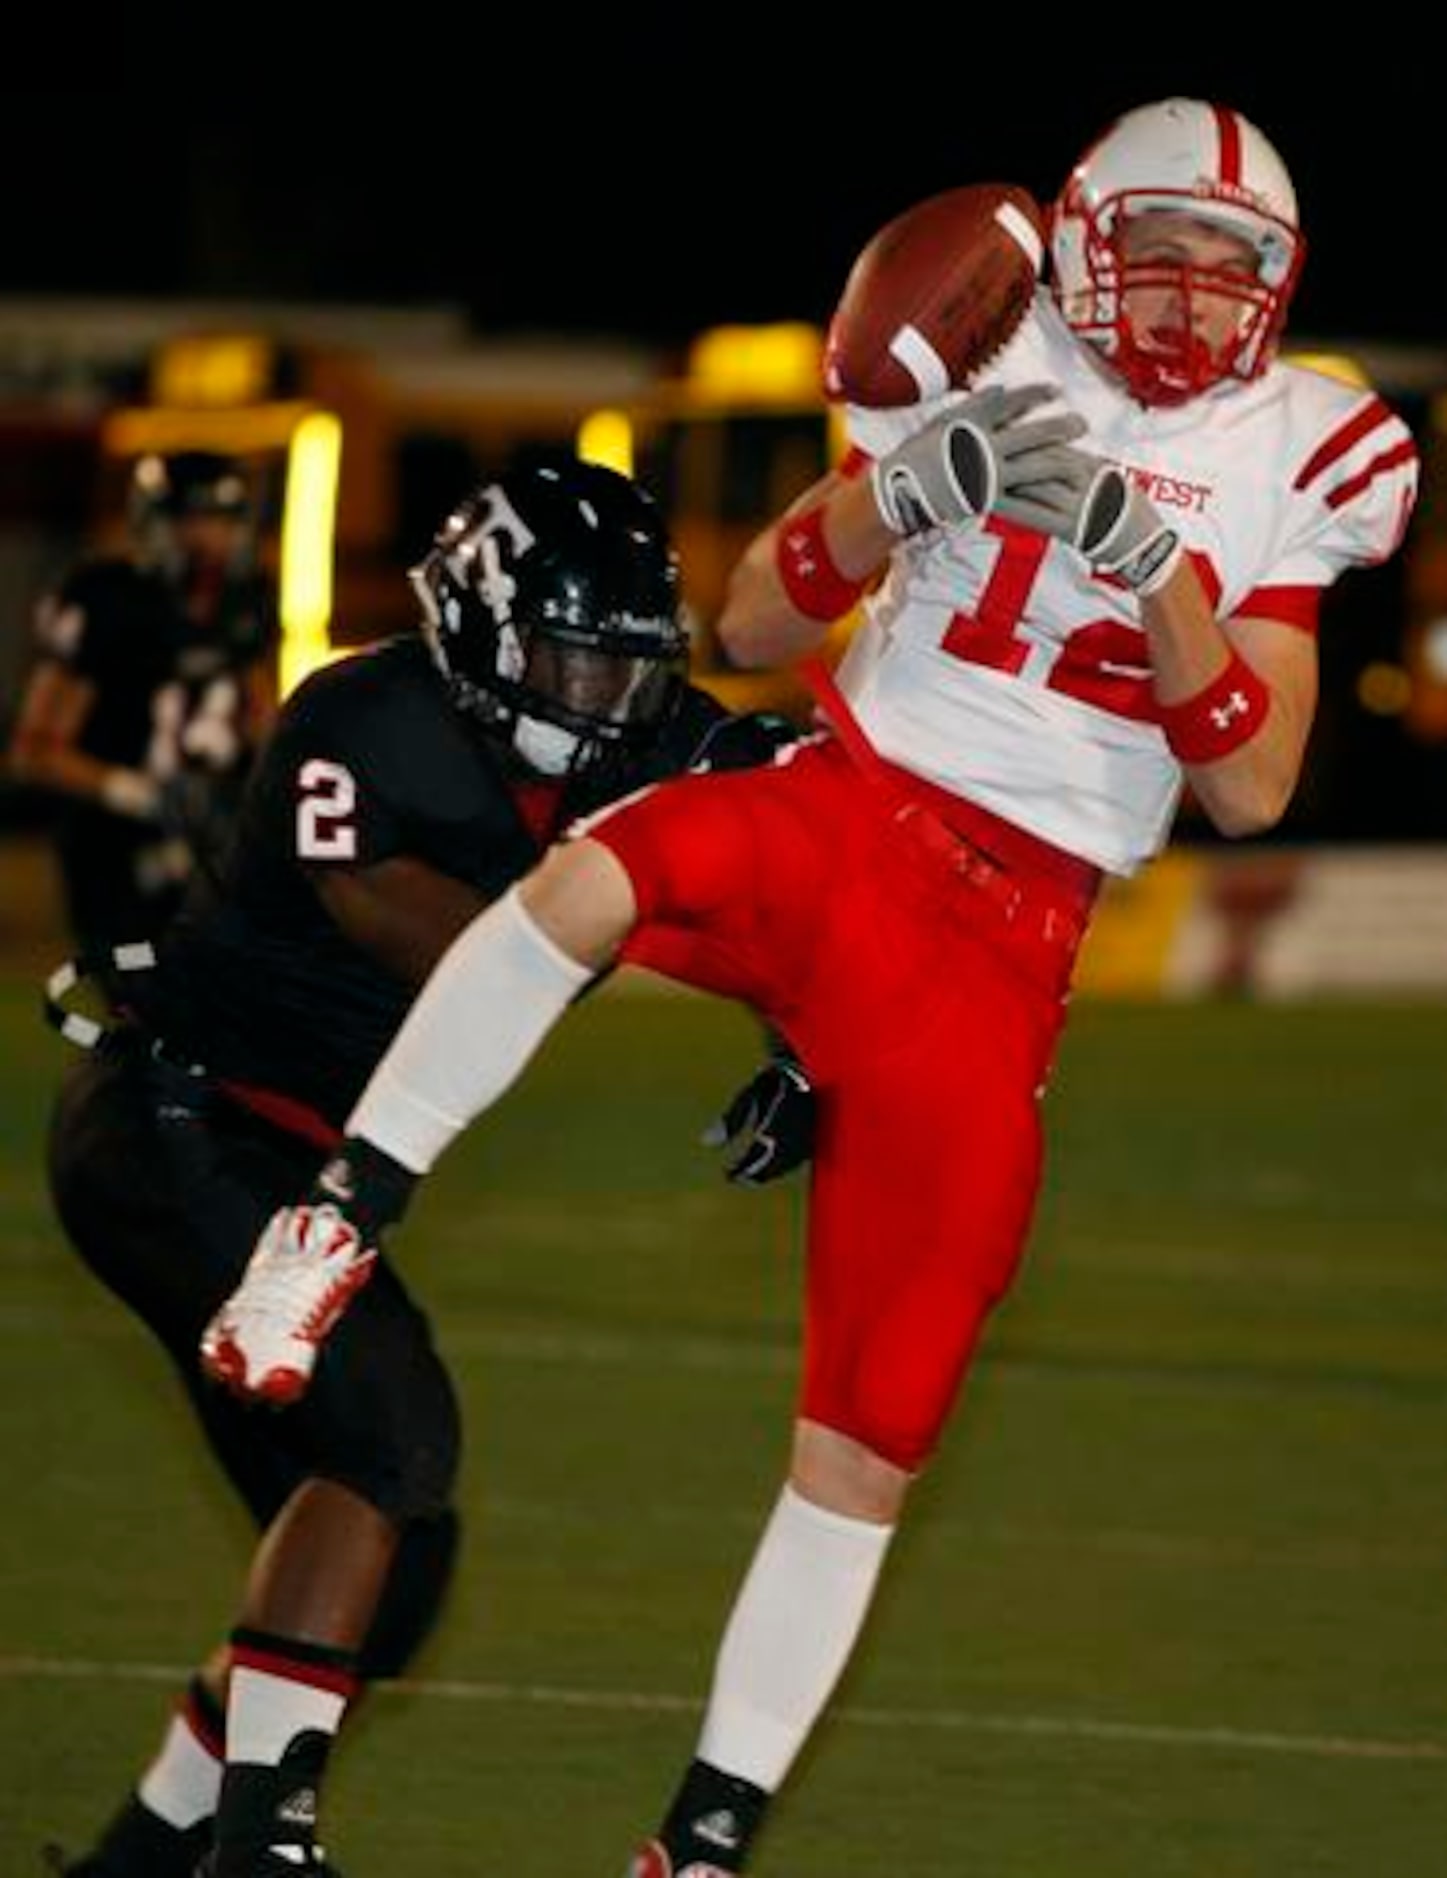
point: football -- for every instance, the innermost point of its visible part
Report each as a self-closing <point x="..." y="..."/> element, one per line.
<point x="934" y="295"/>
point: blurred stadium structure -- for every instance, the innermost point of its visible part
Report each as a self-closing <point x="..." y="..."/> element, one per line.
<point x="362" y="425"/>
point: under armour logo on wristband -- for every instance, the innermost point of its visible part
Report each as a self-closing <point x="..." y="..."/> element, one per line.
<point x="806" y="564"/>
<point x="1219" y="718"/>
<point x="814" y="584"/>
<point x="1237" y="705"/>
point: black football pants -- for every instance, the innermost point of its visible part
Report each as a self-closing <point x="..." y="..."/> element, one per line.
<point x="163" y="1185"/>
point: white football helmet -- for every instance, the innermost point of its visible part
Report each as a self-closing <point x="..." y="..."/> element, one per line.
<point x="1214" y="165"/>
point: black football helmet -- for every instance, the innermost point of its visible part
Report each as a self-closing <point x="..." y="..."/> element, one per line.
<point x="192" y="482"/>
<point x="550" y="602"/>
<point x="167" y="490"/>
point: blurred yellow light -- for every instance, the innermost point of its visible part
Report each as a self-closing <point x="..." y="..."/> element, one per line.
<point x="1384" y="690"/>
<point x="1333" y="365"/>
<point x="606" y="437"/>
<point x="140" y="429"/>
<point x="308" y="530"/>
<point x="774" y="362"/>
<point x="209" y="371"/>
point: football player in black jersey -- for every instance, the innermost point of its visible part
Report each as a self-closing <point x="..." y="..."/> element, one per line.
<point x="403" y="789"/>
<point x="152" y="684"/>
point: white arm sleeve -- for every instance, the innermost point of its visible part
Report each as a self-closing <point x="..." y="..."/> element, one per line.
<point x="491" y="999"/>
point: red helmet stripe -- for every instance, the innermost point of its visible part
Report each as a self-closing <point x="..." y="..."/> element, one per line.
<point x="1370" y="415"/>
<point x="1228" y="137"/>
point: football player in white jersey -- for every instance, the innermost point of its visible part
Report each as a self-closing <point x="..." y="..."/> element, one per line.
<point x="1102" y="569"/>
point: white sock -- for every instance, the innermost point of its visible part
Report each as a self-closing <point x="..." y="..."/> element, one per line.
<point x="792" y="1628"/>
<point x="497" y="991"/>
<point x="266" y="1712"/>
<point x="183" y="1783"/>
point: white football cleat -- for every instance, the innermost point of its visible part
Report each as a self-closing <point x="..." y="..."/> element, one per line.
<point x="264" y="1341"/>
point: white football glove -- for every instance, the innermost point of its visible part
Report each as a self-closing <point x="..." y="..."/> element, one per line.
<point x="1080" y="499"/>
<point x="958" y="468"/>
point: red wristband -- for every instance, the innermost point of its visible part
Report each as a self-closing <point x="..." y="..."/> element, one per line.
<point x="815" y="586"/>
<point x="1219" y="719"/>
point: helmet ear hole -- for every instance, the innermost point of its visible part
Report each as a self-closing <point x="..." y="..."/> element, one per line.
<point x="550" y="603"/>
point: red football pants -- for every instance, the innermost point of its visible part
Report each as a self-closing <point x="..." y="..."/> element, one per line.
<point x="926" y="1008"/>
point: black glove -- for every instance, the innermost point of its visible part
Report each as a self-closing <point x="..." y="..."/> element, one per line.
<point x="745" y="741"/>
<point x="768" y="1127"/>
<point x="371" y="1189"/>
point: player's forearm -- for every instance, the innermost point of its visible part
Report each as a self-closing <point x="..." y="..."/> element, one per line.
<point x="41" y="762"/>
<point x="803" y="574"/>
<point x="1248" y="792"/>
<point x="1247" y="788"/>
<point x="401" y="912"/>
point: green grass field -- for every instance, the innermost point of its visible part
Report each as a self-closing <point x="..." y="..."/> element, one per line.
<point x="1174" y="1597"/>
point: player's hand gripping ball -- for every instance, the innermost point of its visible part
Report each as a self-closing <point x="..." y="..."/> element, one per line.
<point x="934" y="295"/>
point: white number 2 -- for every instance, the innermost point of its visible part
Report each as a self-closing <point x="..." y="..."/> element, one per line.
<point x="326" y="828"/>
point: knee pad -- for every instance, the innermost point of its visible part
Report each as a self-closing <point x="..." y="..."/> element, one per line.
<point x="413" y="1597"/>
<point x="383" y="1416"/>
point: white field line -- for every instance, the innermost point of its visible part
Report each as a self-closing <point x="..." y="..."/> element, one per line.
<point x="949" y="1721"/>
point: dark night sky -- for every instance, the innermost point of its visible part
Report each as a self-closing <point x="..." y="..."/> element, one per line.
<point x="629" y="183"/>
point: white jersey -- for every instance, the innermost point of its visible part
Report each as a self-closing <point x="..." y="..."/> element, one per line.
<point x="994" y="663"/>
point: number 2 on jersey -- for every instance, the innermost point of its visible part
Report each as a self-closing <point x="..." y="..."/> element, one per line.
<point x="326" y="828"/>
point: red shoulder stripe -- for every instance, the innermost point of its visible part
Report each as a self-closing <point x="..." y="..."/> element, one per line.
<point x="855" y="461"/>
<point x="1402" y="452"/>
<point x="1372" y="413"/>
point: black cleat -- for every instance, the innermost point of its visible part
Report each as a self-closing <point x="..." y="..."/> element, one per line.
<point x="267" y="1819"/>
<point x="137" y="1844"/>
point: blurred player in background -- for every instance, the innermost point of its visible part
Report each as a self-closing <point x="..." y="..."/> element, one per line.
<point x="1103" y="567"/>
<point x="152" y="685"/>
<point x="404" y="789"/>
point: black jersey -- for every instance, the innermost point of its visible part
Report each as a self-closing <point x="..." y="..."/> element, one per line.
<point x="168" y="692"/>
<point x="169" y="699"/>
<point x="369" y="761"/>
